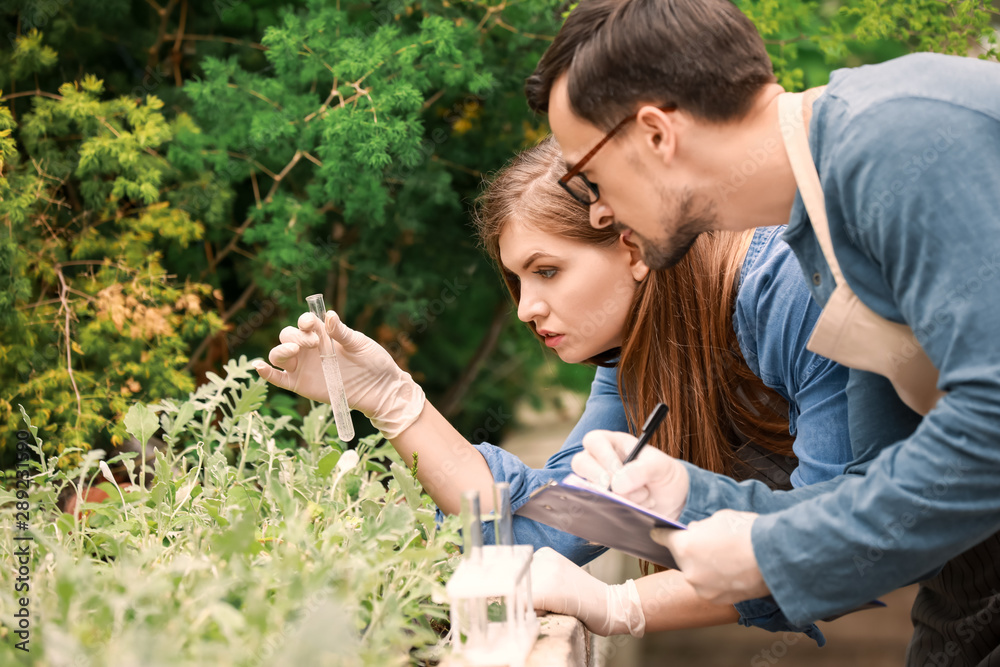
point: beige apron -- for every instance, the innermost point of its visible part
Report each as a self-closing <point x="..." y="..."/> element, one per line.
<point x="848" y="331"/>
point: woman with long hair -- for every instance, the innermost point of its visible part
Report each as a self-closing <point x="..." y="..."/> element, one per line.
<point x="720" y="338"/>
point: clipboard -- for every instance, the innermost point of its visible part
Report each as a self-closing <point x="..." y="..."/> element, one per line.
<point x="579" y="507"/>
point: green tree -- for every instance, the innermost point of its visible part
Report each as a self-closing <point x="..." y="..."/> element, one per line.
<point x="305" y="146"/>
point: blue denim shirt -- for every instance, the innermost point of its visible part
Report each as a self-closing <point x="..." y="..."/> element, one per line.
<point x="908" y="153"/>
<point x="773" y="318"/>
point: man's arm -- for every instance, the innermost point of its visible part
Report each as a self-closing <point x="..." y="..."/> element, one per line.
<point x="936" y="247"/>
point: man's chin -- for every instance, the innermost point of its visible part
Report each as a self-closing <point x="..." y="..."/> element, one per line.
<point x="664" y="255"/>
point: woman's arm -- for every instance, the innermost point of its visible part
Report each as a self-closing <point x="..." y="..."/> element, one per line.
<point x="669" y="603"/>
<point x="447" y="463"/>
<point x="662" y="601"/>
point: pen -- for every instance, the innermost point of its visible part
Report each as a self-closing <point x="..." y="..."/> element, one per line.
<point x="648" y="429"/>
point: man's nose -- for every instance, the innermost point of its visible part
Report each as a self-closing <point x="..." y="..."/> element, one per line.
<point x="601" y="215"/>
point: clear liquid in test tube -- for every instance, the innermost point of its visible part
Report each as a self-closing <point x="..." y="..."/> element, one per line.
<point x="503" y="522"/>
<point x="331" y="371"/>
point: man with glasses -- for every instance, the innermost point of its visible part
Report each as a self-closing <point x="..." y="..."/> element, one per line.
<point x="672" y="125"/>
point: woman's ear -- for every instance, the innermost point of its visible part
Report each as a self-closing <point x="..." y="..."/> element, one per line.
<point x="636" y="265"/>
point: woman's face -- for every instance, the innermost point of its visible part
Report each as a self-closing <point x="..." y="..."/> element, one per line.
<point x="577" y="294"/>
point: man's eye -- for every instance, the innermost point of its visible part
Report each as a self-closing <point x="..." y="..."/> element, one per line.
<point x="546" y="273"/>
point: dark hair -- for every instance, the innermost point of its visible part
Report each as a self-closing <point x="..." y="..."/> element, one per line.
<point x="704" y="56"/>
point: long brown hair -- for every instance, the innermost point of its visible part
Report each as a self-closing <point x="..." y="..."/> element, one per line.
<point x="679" y="344"/>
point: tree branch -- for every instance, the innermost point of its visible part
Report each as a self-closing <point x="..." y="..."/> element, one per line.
<point x="449" y="405"/>
<point x="69" y="342"/>
<point x="161" y="33"/>
<point x="226" y="316"/>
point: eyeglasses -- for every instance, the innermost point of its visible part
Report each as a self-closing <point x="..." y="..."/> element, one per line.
<point x="579" y="186"/>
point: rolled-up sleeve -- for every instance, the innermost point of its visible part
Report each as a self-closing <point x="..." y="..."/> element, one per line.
<point x="603" y="410"/>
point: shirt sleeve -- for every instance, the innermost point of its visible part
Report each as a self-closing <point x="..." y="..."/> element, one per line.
<point x="933" y="246"/>
<point x="603" y="410"/>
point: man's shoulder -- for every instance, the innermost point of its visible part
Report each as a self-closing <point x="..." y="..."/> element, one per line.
<point x="920" y="78"/>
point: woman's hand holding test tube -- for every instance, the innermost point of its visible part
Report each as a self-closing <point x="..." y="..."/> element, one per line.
<point x="374" y="384"/>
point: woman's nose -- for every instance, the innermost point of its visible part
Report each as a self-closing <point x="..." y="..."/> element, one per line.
<point x="530" y="307"/>
<point x="601" y="214"/>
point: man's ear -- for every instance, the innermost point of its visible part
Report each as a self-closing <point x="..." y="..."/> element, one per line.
<point x="636" y="265"/>
<point x="658" y="131"/>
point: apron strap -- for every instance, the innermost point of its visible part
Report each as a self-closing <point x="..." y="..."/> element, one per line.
<point x="793" y="130"/>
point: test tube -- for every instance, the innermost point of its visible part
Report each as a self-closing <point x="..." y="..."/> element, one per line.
<point x="472" y="527"/>
<point x="475" y="610"/>
<point x="503" y="522"/>
<point x="331" y="371"/>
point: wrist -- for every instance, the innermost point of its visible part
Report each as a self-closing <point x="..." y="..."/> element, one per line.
<point x="624" y="607"/>
<point x="680" y="485"/>
<point x="403" y="403"/>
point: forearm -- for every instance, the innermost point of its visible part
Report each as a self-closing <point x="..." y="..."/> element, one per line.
<point x="922" y="502"/>
<point x="710" y="492"/>
<point x="447" y="464"/>
<point x="670" y="603"/>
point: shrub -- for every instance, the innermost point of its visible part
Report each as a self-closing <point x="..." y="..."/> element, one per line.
<point x="260" y="541"/>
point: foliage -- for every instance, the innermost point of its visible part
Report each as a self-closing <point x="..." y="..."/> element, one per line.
<point x="90" y="207"/>
<point x="260" y="541"/>
<point x="302" y="146"/>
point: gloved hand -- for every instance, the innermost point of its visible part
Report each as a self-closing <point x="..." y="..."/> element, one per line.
<point x="716" y="556"/>
<point x="559" y="585"/>
<point x="374" y="384"/>
<point x="654" y="479"/>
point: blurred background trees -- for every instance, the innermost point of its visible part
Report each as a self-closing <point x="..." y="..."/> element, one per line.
<point x="177" y="176"/>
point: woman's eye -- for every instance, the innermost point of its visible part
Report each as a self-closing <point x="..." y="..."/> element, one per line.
<point x="546" y="273"/>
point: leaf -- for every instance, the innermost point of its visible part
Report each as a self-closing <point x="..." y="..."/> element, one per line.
<point x="32" y="429"/>
<point x="249" y="398"/>
<point x="327" y="463"/>
<point x="407" y="484"/>
<point x="141" y="422"/>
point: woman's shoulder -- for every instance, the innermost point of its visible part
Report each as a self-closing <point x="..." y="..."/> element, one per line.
<point x="775" y="313"/>
<point x="767" y="250"/>
<point x="770" y="270"/>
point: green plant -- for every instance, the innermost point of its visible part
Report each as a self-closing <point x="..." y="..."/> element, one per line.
<point x="302" y="146"/>
<point x="260" y="541"/>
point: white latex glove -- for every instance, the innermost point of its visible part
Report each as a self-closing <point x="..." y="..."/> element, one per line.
<point x="374" y="384"/>
<point x="654" y="479"/>
<point x="716" y="556"/>
<point x="558" y="585"/>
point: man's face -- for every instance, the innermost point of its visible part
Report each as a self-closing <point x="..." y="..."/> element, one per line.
<point x="633" y="183"/>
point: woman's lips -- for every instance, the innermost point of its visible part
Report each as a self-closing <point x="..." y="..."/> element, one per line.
<point x="552" y="341"/>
